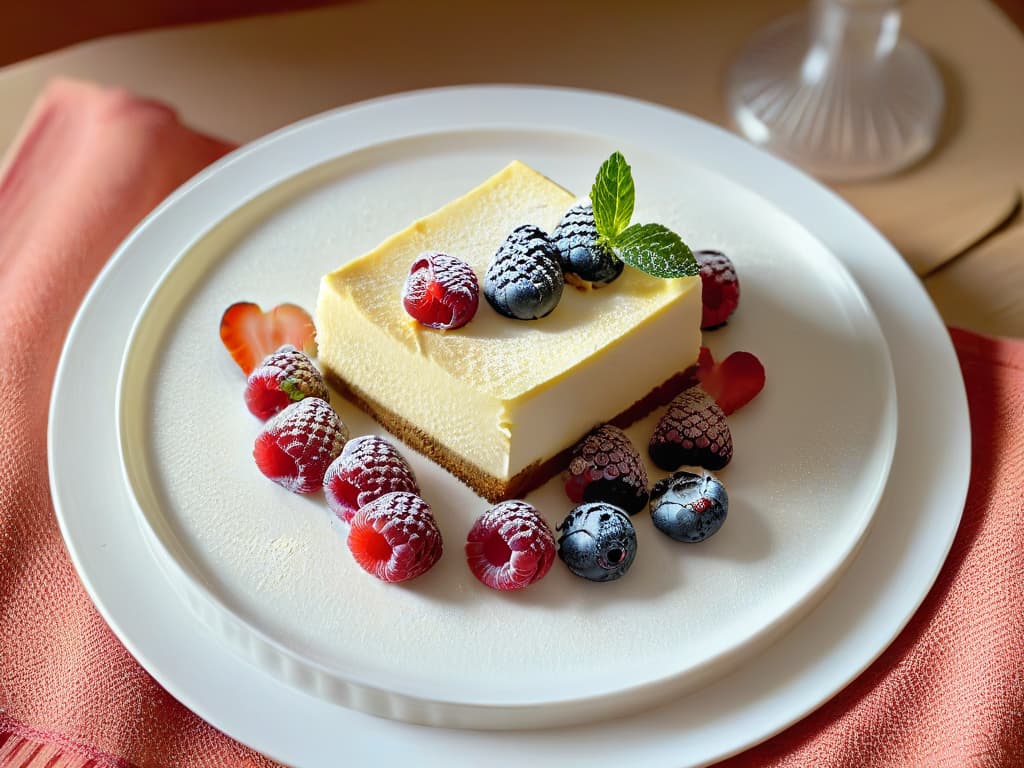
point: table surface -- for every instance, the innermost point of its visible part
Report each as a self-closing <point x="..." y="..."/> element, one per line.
<point x="954" y="216"/>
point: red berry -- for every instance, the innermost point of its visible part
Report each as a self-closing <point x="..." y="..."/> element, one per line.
<point x="720" y="288"/>
<point x="441" y="291"/>
<point x="395" y="537"/>
<point x="692" y="431"/>
<point x="283" y="378"/>
<point x="369" y="467"/>
<point x="297" y="445"/>
<point x="510" y="546"/>
<point x="250" y="334"/>
<point x="606" y="467"/>
<point x="732" y="383"/>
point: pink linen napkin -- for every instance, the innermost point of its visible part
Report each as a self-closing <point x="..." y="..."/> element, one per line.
<point x="90" y="164"/>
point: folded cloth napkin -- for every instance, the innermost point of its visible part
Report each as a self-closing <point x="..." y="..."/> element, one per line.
<point x="89" y="165"/>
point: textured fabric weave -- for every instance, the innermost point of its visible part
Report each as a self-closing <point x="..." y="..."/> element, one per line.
<point x="949" y="692"/>
<point x="90" y="164"/>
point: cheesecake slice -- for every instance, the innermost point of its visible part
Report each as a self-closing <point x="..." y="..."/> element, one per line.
<point x="499" y="402"/>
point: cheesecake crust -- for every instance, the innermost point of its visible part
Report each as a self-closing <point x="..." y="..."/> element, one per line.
<point x="492" y="488"/>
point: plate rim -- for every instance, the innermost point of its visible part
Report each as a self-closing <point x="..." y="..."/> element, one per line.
<point x="742" y="150"/>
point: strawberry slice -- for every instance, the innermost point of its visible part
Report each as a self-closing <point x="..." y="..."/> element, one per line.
<point x="250" y="334"/>
<point x="732" y="383"/>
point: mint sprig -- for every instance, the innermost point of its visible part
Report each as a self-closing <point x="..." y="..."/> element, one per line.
<point x="651" y="248"/>
<point x="656" y="250"/>
<point x="613" y="196"/>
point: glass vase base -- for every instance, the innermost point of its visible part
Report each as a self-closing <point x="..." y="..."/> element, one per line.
<point x="838" y="119"/>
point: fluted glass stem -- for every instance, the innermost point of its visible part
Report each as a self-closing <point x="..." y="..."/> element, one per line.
<point x="838" y="90"/>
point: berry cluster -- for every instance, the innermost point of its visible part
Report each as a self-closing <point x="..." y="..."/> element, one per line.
<point x="606" y="477"/>
<point x="527" y="274"/>
<point x="304" y="445"/>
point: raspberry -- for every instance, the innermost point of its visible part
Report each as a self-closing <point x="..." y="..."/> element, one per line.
<point x="369" y="467"/>
<point x="720" y="288"/>
<point x="297" y="445"/>
<point x="524" y="280"/>
<point x="734" y="382"/>
<point x="584" y="260"/>
<point x="692" y="431"/>
<point x="441" y="291"/>
<point x="395" y="537"/>
<point x="510" y="546"/>
<point x="606" y="467"/>
<point x="284" y="377"/>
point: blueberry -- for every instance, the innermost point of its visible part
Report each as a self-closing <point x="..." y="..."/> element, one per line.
<point x="524" y="280"/>
<point x="598" y="541"/>
<point x="689" y="507"/>
<point x="581" y="255"/>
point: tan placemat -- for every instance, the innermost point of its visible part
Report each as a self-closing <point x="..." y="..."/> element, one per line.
<point x="241" y="79"/>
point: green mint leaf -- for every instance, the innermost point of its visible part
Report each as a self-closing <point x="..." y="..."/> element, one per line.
<point x="656" y="250"/>
<point x="613" y="196"/>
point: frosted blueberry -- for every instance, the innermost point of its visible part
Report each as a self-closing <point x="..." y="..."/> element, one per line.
<point x="598" y="541"/>
<point x="581" y="254"/>
<point x="689" y="507"/>
<point x="524" y="280"/>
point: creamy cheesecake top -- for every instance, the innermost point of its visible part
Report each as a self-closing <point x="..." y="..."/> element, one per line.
<point x="503" y="358"/>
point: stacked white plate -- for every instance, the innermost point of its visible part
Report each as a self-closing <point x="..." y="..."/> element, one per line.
<point x="242" y="599"/>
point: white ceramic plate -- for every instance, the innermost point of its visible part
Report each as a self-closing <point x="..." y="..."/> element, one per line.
<point x="823" y="652"/>
<point x="269" y="571"/>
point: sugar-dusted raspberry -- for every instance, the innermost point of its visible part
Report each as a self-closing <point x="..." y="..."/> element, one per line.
<point x="284" y="377"/>
<point x="510" y="546"/>
<point x="606" y="467"/>
<point x="441" y="291"/>
<point x="297" y="445"/>
<point x="395" y="537"/>
<point x="524" y="280"/>
<point x="692" y="431"/>
<point x="369" y="467"/>
<point x="720" y="288"/>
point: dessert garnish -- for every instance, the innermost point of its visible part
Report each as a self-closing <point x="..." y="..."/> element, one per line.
<point x="250" y="334"/>
<point x="284" y="377"/>
<point x="720" y="288"/>
<point x="598" y="541"/>
<point x="441" y="291"/>
<point x="689" y="507"/>
<point x="732" y="383"/>
<point x="524" y="279"/>
<point x="586" y="261"/>
<point x="692" y="431"/>
<point x="651" y="248"/>
<point x="369" y="467"/>
<point x="395" y="537"/>
<point x="297" y="445"/>
<point x="510" y="546"/>
<point x="606" y="467"/>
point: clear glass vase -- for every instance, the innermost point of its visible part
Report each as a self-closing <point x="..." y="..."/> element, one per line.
<point x="838" y="91"/>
